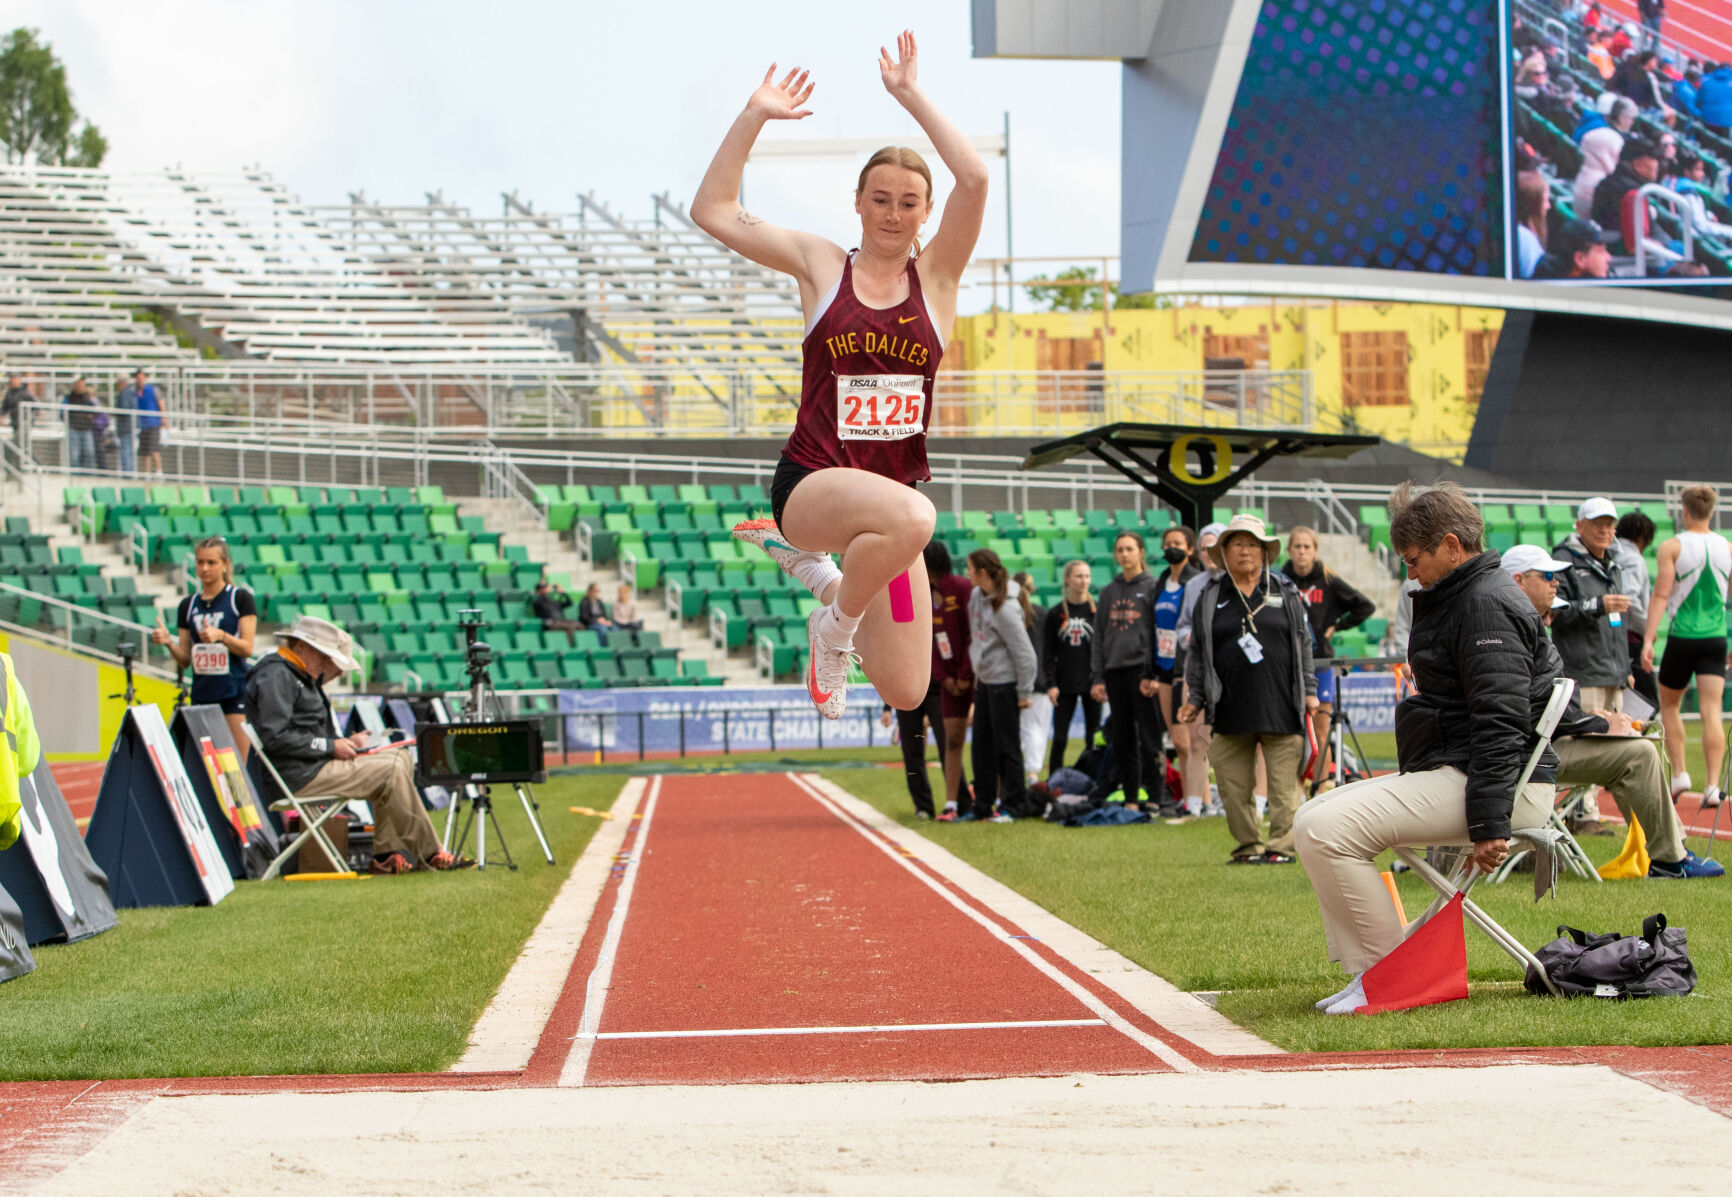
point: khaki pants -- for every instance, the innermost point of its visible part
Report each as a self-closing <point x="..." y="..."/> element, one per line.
<point x="1630" y="768"/>
<point x="1600" y="698"/>
<point x="387" y="781"/>
<point x="1340" y="834"/>
<point x="1235" y="762"/>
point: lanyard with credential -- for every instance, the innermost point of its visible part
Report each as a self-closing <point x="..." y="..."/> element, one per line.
<point x="1250" y="615"/>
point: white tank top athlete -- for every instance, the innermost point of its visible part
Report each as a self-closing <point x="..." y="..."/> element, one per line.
<point x="1697" y="604"/>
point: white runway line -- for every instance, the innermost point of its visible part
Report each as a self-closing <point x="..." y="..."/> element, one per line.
<point x="874" y="1030"/>
<point x="1113" y="1018"/>
<point x="1174" y="1009"/>
<point x="505" y="1035"/>
<point x="576" y="1068"/>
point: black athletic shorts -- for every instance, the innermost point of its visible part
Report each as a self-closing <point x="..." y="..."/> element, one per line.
<point x="1685" y="658"/>
<point x="150" y="440"/>
<point x="788" y="476"/>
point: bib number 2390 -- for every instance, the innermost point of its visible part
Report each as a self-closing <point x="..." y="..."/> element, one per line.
<point x="880" y="407"/>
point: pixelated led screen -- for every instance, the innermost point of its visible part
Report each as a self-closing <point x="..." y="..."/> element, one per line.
<point x="1418" y="135"/>
<point x="1366" y="133"/>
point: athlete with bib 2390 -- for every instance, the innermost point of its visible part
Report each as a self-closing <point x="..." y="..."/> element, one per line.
<point x="877" y="320"/>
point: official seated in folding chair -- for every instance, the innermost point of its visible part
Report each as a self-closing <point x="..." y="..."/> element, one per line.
<point x="287" y="706"/>
<point x="1601" y="748"/>
<point x="1483" y="670"/>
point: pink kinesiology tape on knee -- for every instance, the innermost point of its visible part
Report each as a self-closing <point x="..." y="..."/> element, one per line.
<point x="901" y="598"/>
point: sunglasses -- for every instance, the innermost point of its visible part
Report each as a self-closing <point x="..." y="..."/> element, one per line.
<point x="1545" y="574"/>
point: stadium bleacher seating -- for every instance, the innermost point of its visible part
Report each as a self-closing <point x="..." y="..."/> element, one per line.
<point x="239" y="264"/>
<point x="393" y="565"/>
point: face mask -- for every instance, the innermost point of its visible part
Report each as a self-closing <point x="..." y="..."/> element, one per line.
<point x="1174" y="555"/>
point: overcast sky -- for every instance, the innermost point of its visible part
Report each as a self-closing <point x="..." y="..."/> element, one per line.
<point x="624" y="98"/>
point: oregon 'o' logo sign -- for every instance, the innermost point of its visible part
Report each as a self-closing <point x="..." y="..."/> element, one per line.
<point x="1178" y="459"/>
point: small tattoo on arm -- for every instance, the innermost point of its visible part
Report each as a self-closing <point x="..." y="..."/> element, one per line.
<point x="747" y="218"/>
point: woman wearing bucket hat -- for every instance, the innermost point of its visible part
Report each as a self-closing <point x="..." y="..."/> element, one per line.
<point x="287" y="704"/>
<point x="1249" y="674"/>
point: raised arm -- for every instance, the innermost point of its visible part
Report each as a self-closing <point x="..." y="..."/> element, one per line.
<point x="943" y="259"/>
<point x="716" y="206"/>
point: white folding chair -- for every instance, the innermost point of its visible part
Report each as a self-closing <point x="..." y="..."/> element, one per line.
<point x="1542" y="841"/>
<point x="312" y="809"/>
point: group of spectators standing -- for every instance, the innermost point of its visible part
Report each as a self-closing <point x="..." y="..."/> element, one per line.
<point x="1216" y="652"/>
<point x="1639" y="78"/>
<point x="125" y="435"/>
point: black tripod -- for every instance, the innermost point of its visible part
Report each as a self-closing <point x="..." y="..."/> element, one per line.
<point x="128" y="653"/>
<point x="1341" y="732"/>
<point x="483" y="706"/>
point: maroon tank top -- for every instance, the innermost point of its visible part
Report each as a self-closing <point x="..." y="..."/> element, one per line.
<point x="866" y="391"/>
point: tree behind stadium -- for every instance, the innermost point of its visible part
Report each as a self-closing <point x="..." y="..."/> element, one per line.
<point x="36" y="112"/>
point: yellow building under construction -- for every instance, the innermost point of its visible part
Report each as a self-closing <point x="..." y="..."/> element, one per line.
<point x="1411" y="373"/>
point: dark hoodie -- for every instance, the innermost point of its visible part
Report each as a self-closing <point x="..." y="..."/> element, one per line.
<point x="1331" y="604"/>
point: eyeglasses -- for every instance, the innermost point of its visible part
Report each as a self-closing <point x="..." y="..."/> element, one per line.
<point x="1545" y="575"/>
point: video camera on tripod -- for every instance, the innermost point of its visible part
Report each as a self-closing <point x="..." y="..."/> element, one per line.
<point x="480" y="749"/>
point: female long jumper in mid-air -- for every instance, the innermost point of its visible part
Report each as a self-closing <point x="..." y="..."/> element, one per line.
<point x="877" y="320"/>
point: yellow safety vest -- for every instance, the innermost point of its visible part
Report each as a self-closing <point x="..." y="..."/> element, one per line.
<point x="19" y="750"/>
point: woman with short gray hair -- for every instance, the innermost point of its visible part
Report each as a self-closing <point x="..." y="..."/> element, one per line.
<point x="1483" y="674"/>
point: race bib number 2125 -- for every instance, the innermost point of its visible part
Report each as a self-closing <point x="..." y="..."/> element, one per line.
<point x="880" y="407"/>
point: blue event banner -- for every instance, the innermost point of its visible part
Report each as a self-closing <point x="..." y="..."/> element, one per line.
<point x="741" y="718"/>
<point x="1368" y="699"/>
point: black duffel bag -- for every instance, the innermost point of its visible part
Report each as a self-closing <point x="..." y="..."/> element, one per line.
<point x="1582" y="964"/>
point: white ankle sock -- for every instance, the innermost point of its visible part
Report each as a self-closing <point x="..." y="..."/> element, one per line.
<point x="815" y="571"/>
<point x="1680" y="782"/>
<point x="1351" y="998"/>
<point x="1339" y="994"/>
<point x="838" y="628"/>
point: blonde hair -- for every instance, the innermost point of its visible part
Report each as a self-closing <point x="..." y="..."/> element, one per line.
<point x="907" y="159"/>
<point x="1307" y="530"/>
<point x="1697" y="501"/>
<point x="221" y="546"/>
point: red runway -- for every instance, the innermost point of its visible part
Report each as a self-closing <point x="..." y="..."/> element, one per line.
<point x="771" y="937"/>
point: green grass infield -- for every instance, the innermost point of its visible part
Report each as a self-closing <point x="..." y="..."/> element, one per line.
<point x="387" y="975"/>
<point x="1165" y="897"/>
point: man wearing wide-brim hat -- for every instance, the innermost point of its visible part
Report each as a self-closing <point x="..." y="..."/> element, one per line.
<point x="1248" y="674"/>
<point x="287" y="706"/>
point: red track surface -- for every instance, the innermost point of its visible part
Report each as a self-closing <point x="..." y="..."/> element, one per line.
<point x="1703" y="27"/>
<point x="79" y="782"/>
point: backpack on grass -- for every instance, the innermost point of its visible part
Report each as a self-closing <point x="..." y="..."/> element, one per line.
<point x="1582" y="964"/>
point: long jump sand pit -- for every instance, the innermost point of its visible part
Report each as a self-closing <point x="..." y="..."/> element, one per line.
<point x="1504" y="1128"/>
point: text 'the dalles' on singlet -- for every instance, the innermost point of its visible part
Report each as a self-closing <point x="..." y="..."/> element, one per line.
<point x="866" y="389"/>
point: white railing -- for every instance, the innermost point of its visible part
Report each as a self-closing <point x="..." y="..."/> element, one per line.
<point x="690" y="399"/>
<point x="1680" y="212"/>
<point x="502" y="479"/>
<point x="69" y="618"/>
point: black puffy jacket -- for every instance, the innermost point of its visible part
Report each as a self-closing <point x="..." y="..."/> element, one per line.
<point x="1484" y="674"/>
